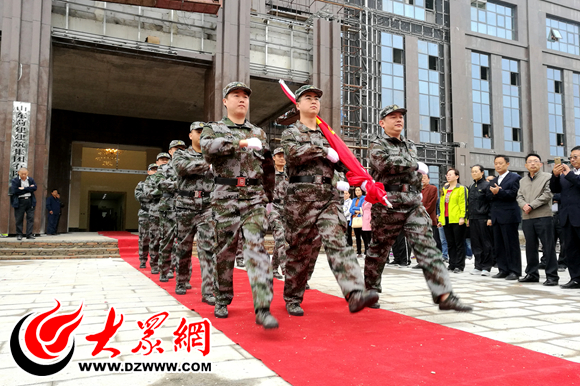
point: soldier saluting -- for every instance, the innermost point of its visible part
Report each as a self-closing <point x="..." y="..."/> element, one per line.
<point x="243" y="165"/>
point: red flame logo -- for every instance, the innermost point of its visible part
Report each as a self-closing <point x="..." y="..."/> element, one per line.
<point x="45" y="337"/>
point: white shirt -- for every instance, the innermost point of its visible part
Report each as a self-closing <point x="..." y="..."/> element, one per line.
<point x="501" y="177"/>
<point x="346" y="209"/>
<point x="25" y="184"/>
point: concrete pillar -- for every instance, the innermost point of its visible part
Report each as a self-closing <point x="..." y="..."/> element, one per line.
<point x="327" y="70"/>
<point x="412" y="88"/>
<point x="232" y="57"/>
<point x="25" y="76"/>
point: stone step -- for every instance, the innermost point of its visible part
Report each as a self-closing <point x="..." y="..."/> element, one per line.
<point x="57" y="244"/>
<point x="59" y="251"/>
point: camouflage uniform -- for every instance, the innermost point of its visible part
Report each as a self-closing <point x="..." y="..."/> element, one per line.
<point x="276" y="221"/>
<point x="167" y="225"/>
<point x="152" y="191"/>
<point x="194" y="215"/>
<point x="240" y="211"/>
<point x="394" y="163"/>
<point x="311" y="210"/>
<point x="143" y="214"/>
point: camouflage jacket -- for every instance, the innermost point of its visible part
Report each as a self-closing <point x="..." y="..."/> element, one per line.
<point x="394" y="162"/>
<point x="280" y="189"/>
<point x="143" y="199"/>
<point x="306" y="152"/>
<point x="152" y="192"/>
<point x="168" y="186"/>
<point x="220" y="148"/>
<point x="193" y="175"/>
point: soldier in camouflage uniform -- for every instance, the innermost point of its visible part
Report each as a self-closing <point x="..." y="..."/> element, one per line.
<point x="168" y="226"/>
<point x="311" y="209"/>
<point x="275" y="218"/>
<point x="194" y="215"/>
<point x="244" y="169"/>
<point x="143" y="214"/>
<point x="153" y="193"/>
<point x="393" y="161"/>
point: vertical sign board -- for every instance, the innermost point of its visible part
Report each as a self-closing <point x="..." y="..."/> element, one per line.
<point x="20" y="137"/>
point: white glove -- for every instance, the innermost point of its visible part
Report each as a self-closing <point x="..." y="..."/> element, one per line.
<point x="423" y="169"/>
<point x="388" y="203"/>
<point x="343" y="186"/>
<point x="254" y="144"/>
<point x="364" y="186"/>
<point x="332" y="155"/>
<point x="268" y="208"/>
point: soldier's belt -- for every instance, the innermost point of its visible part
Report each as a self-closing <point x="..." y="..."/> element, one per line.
<point x="193" y="176"/>
<point x="145" y="208"/>
<point x="195" y="194"/>
<point x="311" y="179"/>
<point x="238" y="181"/>
<point x="277" y="201"/>
<point x="405" y="188"/>
<point x="167" y="195"/>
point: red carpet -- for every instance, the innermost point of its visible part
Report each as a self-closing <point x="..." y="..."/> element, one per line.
<point x="330" y="346"/>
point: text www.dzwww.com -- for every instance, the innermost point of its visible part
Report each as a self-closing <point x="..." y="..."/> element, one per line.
<point x="129" y="367"/>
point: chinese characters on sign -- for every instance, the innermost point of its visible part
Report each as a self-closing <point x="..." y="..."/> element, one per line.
<point x="20" y="134"/>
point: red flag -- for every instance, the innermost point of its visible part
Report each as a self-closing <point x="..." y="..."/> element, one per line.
<point x="357" y="174"/>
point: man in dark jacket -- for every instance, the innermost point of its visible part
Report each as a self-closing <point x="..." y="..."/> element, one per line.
<point x="480" y="223"/>
<point x="53" y="209"/>
<point x="566" y="180"/>
<point x="23" y="202"/>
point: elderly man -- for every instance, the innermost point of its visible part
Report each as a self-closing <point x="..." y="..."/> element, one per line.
<point x="23" y="202"/>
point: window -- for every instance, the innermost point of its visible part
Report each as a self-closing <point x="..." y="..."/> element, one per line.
<point x="493" y="19"/>
<point x="511" y="105"/>
<point x="556" y="112"/>
<point x="392" y="70"/>
<point x="563" y="36"/>
<point x="430" y="92"/>
<point x="414" y="9"/>
<point x="576" y="92"/>
<point x="434" y="175"/>
<point x="481" y="101"/>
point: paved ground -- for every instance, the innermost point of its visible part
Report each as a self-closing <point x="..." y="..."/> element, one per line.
<point x="544" y="319"/>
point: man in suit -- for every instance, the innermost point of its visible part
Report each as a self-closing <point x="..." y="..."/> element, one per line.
<point x="566" y="181"/>
<point x="505" y="217"/>
<point x="23" y="202"/>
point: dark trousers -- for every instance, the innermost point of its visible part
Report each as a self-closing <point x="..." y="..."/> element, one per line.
<point x="359" y="234"/>
<point x="349" y="235"/>
<point x="507" y="248"/>
<point x="543" y="229"/>
<point x="455" y="235"/>
<point x="436" y="237"/>
<point x="481" y="244"/>
<point x="24" y="207"/>
<point x="572" y="236"/>
<point x="401" y="250"/>
<point x="366" y="236"/>
<point x="558" y="236"/>
<point x="52" y="223"/>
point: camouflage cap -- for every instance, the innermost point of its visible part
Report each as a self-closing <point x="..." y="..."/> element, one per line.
<point x="236" y="86"/>
<point x="307" y="88"/>
<point x="152" y="166"/>
<point x="197" y="125"/>
<point x="278" y="150"/>
<point x="176" y="143"/>
<point x="391" y="109"/>
<point x="163" y="155"/>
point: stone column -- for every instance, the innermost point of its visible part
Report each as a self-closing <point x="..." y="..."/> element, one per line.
<point x="232" y="57"/>
<point x="25" y="76"/>
<point x="327" y="70"/>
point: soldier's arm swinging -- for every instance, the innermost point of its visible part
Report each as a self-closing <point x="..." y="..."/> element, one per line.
<point x="297" y="152"/>
<point x="185" y="164"/>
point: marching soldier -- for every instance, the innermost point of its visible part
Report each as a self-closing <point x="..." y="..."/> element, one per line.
<point x="195" y="182"/>
<point x="167" y="215"/>
<point x="243" y="165"/>
<point x="143" y="214"/>
<point x="393" y="161"/>
<point x="153" y="193"/>
<point x="311" y="209"/>
<point x="275" y="218"/>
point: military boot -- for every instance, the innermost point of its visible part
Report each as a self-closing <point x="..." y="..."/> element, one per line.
<point x="187" y="285"/>
<point x="361" y="299"/>
<point x="264" y="318"/>
<point x="143" y="265"/>
<point x="209" y="299"/>
<point x="294" y="309"/>
<point x="453" y="303"/>
<point x="240" y="262"/>
<point x="170" y="274"/>
<point x="221" y="311"/>
<point x="154" y="270"/>
<point x="180" y="289"/>
<point x="163" y="278"/>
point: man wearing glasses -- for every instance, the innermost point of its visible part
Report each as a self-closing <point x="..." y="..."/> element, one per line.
<point x="535" y="199"/>
<point x="566" y="180"/>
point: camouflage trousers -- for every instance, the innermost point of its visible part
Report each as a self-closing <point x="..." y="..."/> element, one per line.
<point x="144" y="238"/>
<point x="305" y="221"/>
<point x="276" y="222"/>
<point x="189" y="223"/>
<point x="245" y="219"/>
<point x="168" y="232"/>
<point x="315" y="244"/>
<point x="414" y="220"/>
<point x="155" y="239"/>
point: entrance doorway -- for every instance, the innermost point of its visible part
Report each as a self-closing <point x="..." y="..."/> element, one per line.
<point x="107" y="211"/>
